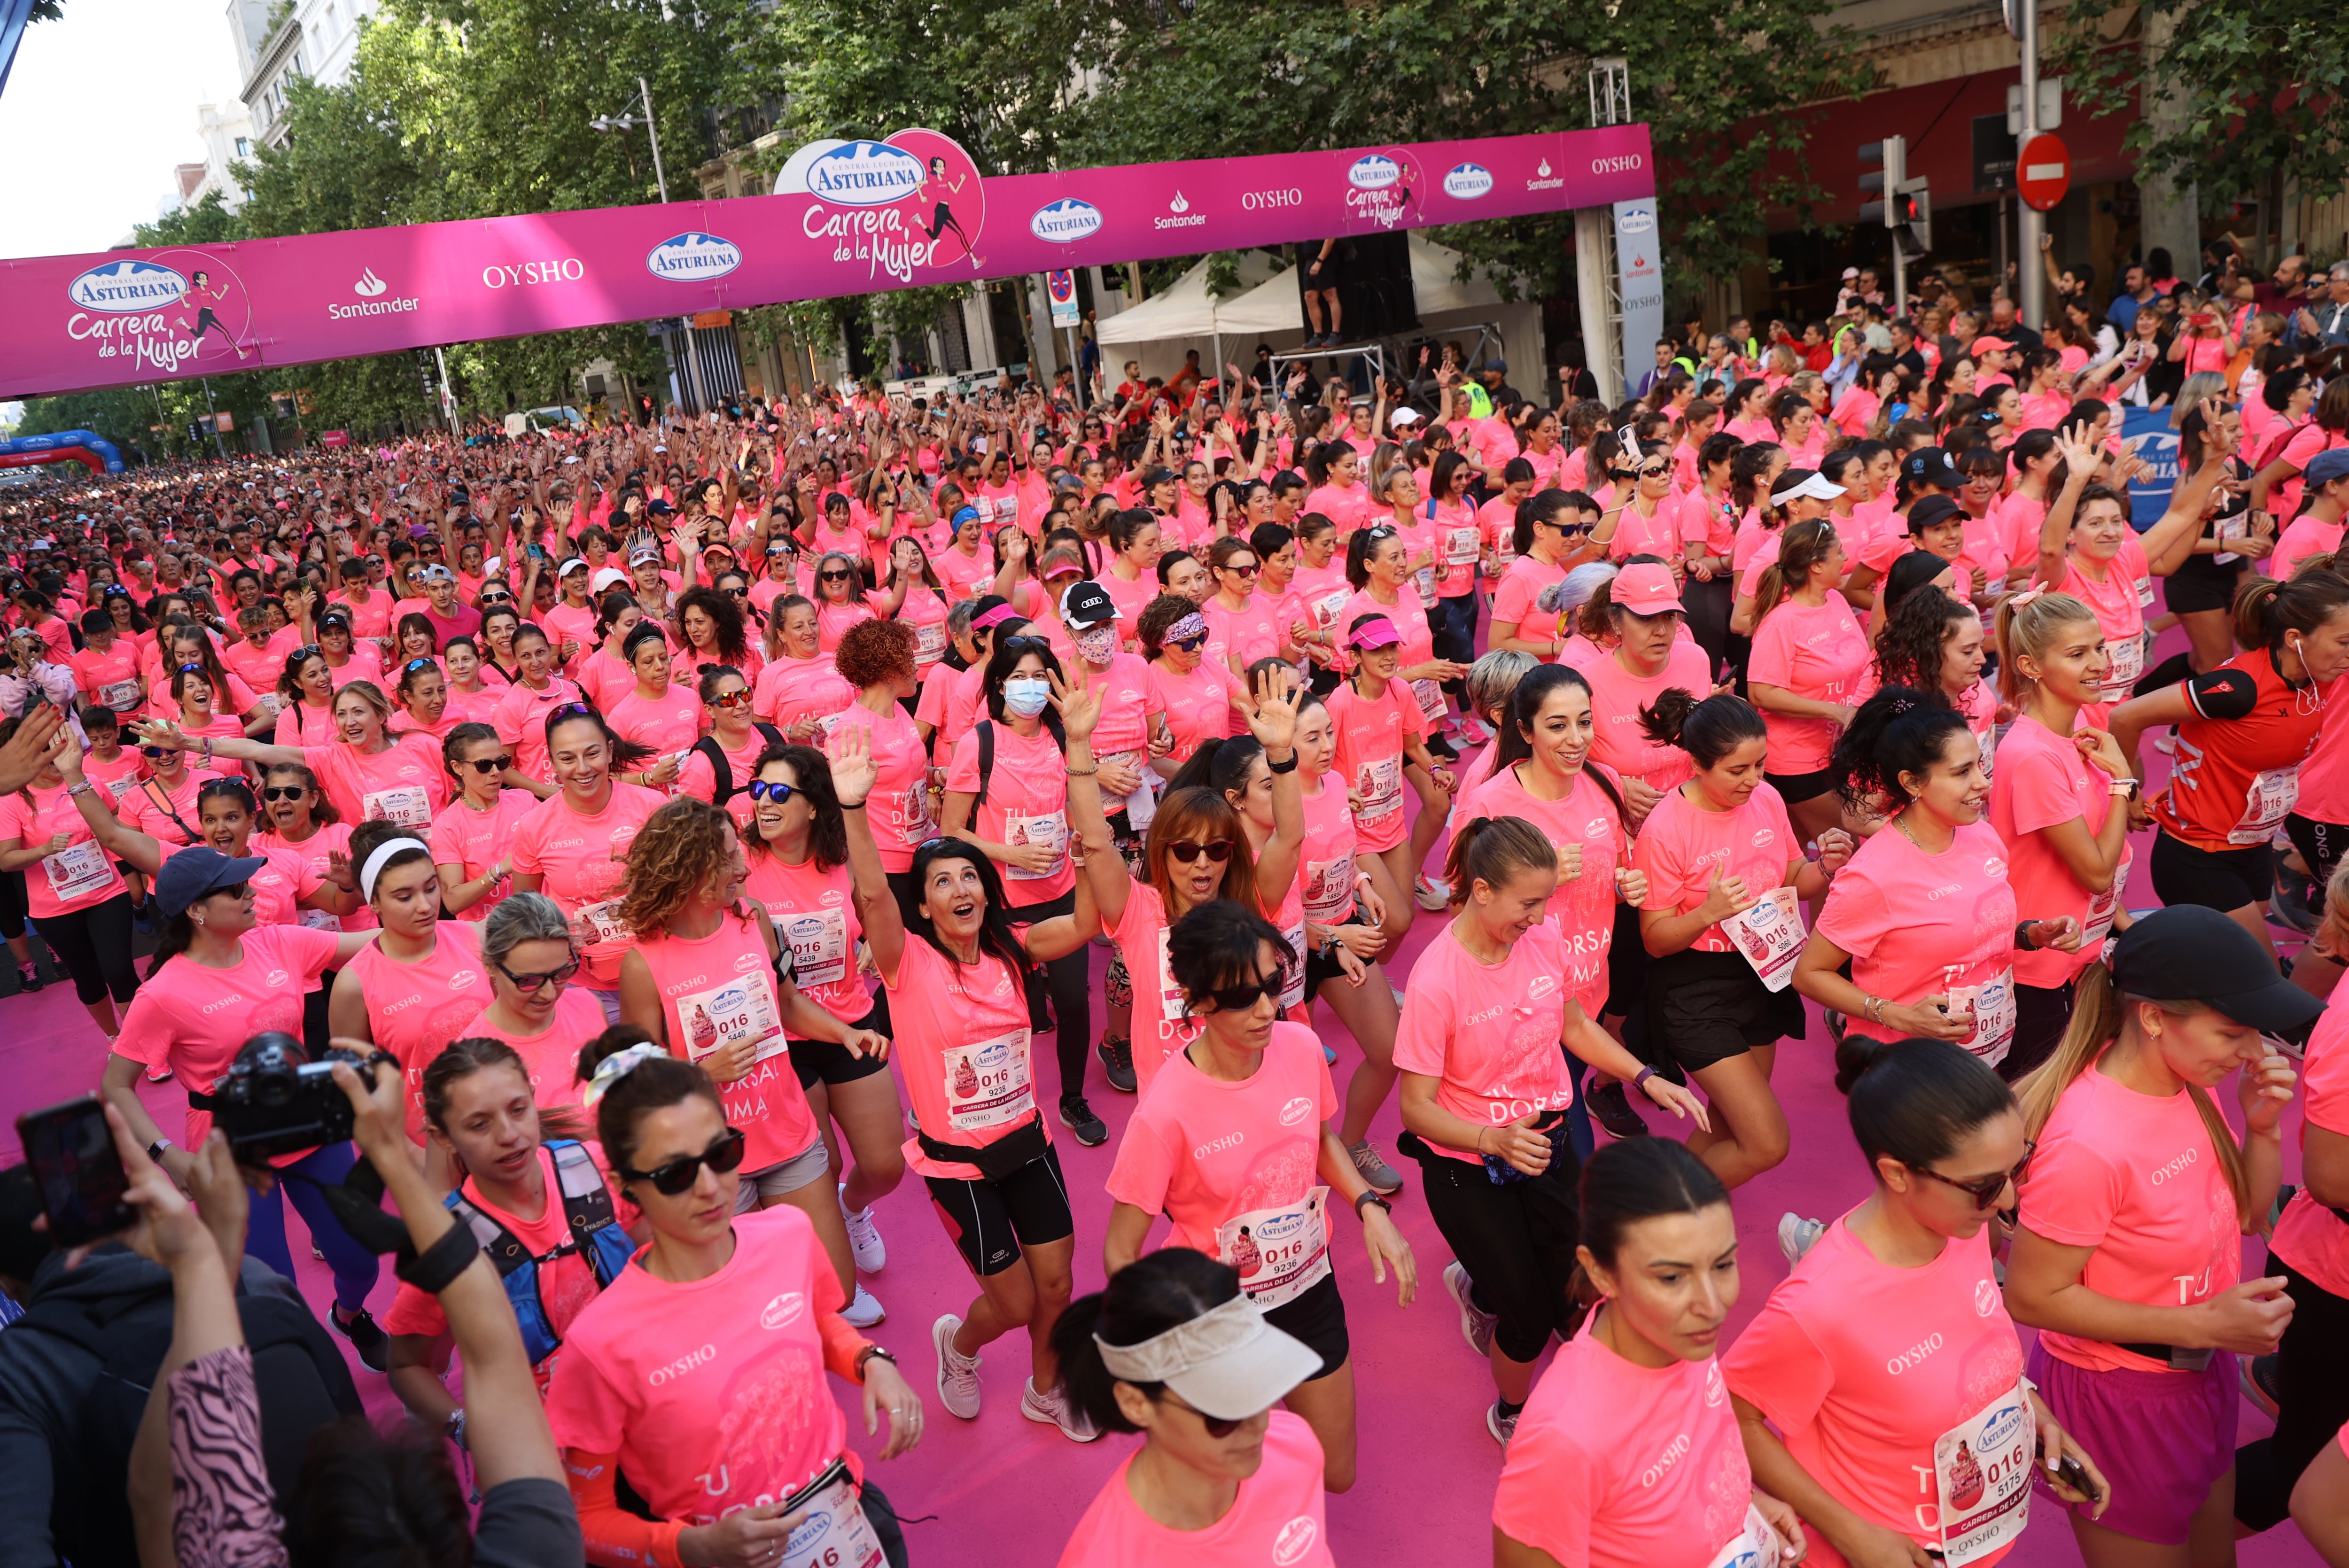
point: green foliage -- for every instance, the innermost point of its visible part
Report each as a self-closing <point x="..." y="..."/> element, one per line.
<point x="208" y="223"/>
<point x="2262" y="87"/>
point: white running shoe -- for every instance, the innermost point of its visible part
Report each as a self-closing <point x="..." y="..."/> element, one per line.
<point x="1503" y="1428"/>
<point x="957" y="1373"/>
<point x="863" y="1236"/>
<point x="865" y="1311"/>
<point x="1476" y="1324"/>
<point x="1432" y="894"/>
<point x="1797" y="1235"/>
<point x="1054" y="1410"/>
<point x="2167" y="743"/>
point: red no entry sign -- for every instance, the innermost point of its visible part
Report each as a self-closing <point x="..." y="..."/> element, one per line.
<point x="2043" y="171"/>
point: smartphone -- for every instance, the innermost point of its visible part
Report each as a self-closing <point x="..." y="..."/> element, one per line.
<point x="78" y="1170"/>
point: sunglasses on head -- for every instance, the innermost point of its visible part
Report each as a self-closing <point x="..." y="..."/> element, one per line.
<point x="766" y="790"/>
<point x="530" y="984"/>
<point x="674" y="1176"/>
<point x="486" y="766"/>
<point x="573" y="710"/>
<point x="1217" y="850"/>
<point x="1984" y="1192"/>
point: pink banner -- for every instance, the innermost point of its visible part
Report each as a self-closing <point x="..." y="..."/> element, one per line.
<point x="853" y="216"/>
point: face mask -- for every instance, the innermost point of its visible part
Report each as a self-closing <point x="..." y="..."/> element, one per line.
<point x="1098" y="645"/>
<point x="1025" y="696"/>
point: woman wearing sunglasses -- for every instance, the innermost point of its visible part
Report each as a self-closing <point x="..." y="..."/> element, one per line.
<point x="656" y="711"/>
<point x="1485" y="1093"/>
<point x="722" y="761"/>
<point x="1258" y="1201"/>
<point x="369" y="769"/>
<point x="296" y="815"/>
<point x="720" y="1459"/>
<point x="521" y="715"/>
<point x="1546" y="529"/>
<point x="841" y="598"/>
<point x="472" y="836"/>
<point x="219" y="978"/>
<point x="2128" y="1253"/>
<point x="1196" y="693"/>
<point x="531" y="957"/>
<point x="75" y="893"/>
<point x="422" y="982"/>
<point x="1006" y="794"/>
<point x="1881" y="1389"/>
<point x="703" y="979"/>
<point x="1242" y="625"/>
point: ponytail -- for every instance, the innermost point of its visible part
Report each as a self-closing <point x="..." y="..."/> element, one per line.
<point x="2266" y="608"/>
<point x="1492" y="849"/>
<point x="2031" y="629"/>
<point x="1707" y="730"/>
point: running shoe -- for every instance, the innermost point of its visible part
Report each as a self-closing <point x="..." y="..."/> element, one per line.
<point x="865" y="1311"/>
<point x="1471" y="729"/>
<point x="1503" y="1428"/>
<point x="1375" y="1171"/>
<point x="2167" y="744"/>
<point x="367" y="1336"/>
<point x="1077" y="1118"/>
<point x="1476" y="1324"/>
<point x="1117" y="1061"/>
<point x="1441" y="749"/>
<point x="2260" y="1380"/>
<point x="1054" y="1410"/>
<point x="1797" y="1235"/>
<point x="1611" y="1107"/>
<point x="1432" y="895"/>
<point x="863" y="1236"/>
<point x="28" y="978"/>
<point x="1837" y="1023"/>
<point x="957" y="1373"/>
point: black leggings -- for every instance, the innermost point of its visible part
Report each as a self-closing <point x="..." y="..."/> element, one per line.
<point x="1516" y="1240"/>
<point x="1708" y="606"/>
<point x="12" y="905"/>
<point x="2312" y="1384"/>
<point x="94" y="947"/>
<point x="1068" y="979"/>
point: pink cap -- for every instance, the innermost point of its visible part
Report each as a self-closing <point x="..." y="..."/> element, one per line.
<point x="994" y="617"/>
<point x="1986" y="345"/>
<point x="1378" y="631"/>
<point x="1645" y="589"/>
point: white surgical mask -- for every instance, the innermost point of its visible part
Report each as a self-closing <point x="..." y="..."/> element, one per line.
<point x="1025" y="696"/>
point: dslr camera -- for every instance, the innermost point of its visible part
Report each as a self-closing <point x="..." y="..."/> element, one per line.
<point x="273" y="1099"/>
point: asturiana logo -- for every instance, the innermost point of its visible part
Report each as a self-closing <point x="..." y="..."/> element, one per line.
<point x="1065" y="219"/>
<point x="1373" y="171"/>
<point x="690" y="257"/>
<point x="126" y="286"/>
<point x="1638" y="221"/>
<point x="1468" y="182"/>
<point x="865" y="174"/>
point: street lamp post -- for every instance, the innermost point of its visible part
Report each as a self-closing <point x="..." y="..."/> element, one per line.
<point x="2030" y="270"/>
<point x="608" y="122"/>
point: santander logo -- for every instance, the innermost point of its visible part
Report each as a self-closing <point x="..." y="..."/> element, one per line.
<point x="370" y="286"/>
<point x="1180" y="215"/>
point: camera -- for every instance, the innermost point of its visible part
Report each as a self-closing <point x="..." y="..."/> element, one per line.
<point x="273" y="1099"/>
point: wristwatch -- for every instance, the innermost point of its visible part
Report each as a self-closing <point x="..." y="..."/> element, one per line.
<point x="1370" y="1195"/>
<point x="872" y="1353"/>
<point x="155" y="1150"/>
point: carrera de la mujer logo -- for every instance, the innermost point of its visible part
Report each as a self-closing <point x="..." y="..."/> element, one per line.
<point x="173" y="312"/>
<point x="911" y="206"/>
<point x="1383" y="185"/>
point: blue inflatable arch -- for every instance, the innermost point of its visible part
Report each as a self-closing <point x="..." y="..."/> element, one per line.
<point x="63" y="447"/>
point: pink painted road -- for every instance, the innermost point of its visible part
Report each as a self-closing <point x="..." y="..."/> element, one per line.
<point x="1006" y="1493"/>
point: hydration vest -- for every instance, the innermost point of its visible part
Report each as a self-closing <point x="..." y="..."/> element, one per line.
<point x="596" y="1235"/>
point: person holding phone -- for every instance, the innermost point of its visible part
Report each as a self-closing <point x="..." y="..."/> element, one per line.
<point x="1881" y="1386"/>
<point x="2128" y="1255"/>
<point x="1484" y="1094"/>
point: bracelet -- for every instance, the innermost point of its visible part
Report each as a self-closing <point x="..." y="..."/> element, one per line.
<point x="872" y="1353"/>
<point x="1084" y="772"/>
<point x="1288" y="767"/>
<point x="2120" y="787"/>
<point x="1640" y="1082"/>
<point x="83" y="787"/>
<point x="852" y="805"/>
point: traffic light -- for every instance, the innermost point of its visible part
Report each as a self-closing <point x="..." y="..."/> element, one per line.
<point x="1890" y="158"/>
<point x="1915" y="234"/>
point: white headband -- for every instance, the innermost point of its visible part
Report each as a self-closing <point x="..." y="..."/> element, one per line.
<point x="384" y="851"/>
<point x="612" y="1068"/>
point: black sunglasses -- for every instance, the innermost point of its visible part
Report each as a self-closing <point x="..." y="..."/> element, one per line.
<point x="761" y="789"/>
<point x="1217" y="1427"/>
<point x="1185" y="851"/>
<point x="485" y="766"/>
<point x="1241" y="999"/>
<point x="284" y="793"/>
<point x="529" y="984"/>
<point x="1188" y="645"/>
<point x="674" y="1176"/>
<point x="834" y="576"/>
<point x="1986" y="1191"/>
<point x="155" y="753"/>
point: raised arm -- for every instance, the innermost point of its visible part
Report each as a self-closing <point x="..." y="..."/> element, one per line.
<point x="1105" y="872"/>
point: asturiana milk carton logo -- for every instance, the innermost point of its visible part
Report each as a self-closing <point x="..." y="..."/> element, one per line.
<point x="1373" y="171"/>
<point x="1468" y="182"/>
<point x="1638" y="221"/>
<point x="123" y="288"/>
<point x="1066" y="219"/>
<point x="865" y="174"/>
<point x="690" y="257"/>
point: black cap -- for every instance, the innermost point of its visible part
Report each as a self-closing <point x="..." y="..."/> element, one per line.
<point x="1933" y="509"/>
<point x="1931" y="466"/>
<point x="1087" y="604"/>
<point x="2187" y="952"/>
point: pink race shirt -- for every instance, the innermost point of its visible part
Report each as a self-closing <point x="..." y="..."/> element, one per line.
<point x="78" y="875"/>
<point x="1619" y="1466"/>
<point x="791" y="690"/>
<point x="1916" y="924"/>
<point x="1680" y="847"/>
<point x="404" y="784"/>
<point x="1027" y="803"/>
<point x="670" y="723"/>
<point x="415" y="1010"/>
<point x="551" y="1055"/>
<point x="1208" y="1153"/>
<point x="194" y="1018"/>
<point x="2043" y="782"/>
<point x="1517" y="602"/>
<point x="2135" y="1177"/>
<point x="963" y="1048"/>
<point x="1372" y="735"/>
<point x="1276" y="1518"/>
<point x="814" y="915"/>
<point x="583" y="860"/>
<point x="900" y="809"/>
<point x="1162" y="1026"/>
<point x="719" y="988"/>
<point x="1862" y="1367"/>
<point x="1583" y="906"/>
<point x="1197" y="706"/>
<point x="473" y="841"/>
<point x="1488" y="1033"/>
<point x="1816" y="652"/>
<point x="1617" y="696"/>
<point x="2309" y="1236"/>
<point x="520" y="719"/>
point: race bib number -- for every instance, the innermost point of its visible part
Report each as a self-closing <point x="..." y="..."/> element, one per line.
<point x="929" y="643"/>
<point x="318" y="920"/>
<point x="1992" y="1005"/>
<point x="2266" y="804"/>
<point x="77" y="869"/>
<point x="1425" y="578"/>
<point x="2145" y="593"/>
<point x="1379" y="784"/>
<point x="742" y="1008"/>
<point x="1328" y="607"/>
<point x="835" y="1534"/>
<point x="407" y="805"/>
<point x="1431" y="700"/>
<point x="1459" y="546"/>
<point x="987" y="1084"/>
<point x="2099" y="918"/>
<point x="819" y="943"/>
<point x="1292" y="968"/>
<point x="1981" y="1478"/>
<point x="1329" y="891"/>
<point x="2226" y="528"/>
<point x="119" y="696"/>
<point x="914" y="822"/>
<point x="2129" y="663"/>
<point x="599" y="924"/>
<point x="1770" y="935"/>
<point x="1279" y="1254"/>
<point x="1756" y="1546"/>
<point x="1049" y="831"/>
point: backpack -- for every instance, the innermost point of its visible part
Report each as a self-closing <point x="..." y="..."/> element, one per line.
<point x="298" y="1372"/>
<point x="596" y="1235"/>
<point x="721" y="773"/>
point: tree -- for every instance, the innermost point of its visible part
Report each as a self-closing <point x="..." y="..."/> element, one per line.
<point x="2263" y="87"/>
<point x="208" y="223"/>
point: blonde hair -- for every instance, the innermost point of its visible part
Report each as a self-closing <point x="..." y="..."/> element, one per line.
<point x="2030" y="629"/>
<point x="2098" y="1014"/>
<point x="2332" y="937"/>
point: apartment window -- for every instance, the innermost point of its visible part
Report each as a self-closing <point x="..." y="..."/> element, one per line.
<point x="243" y="147"/>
